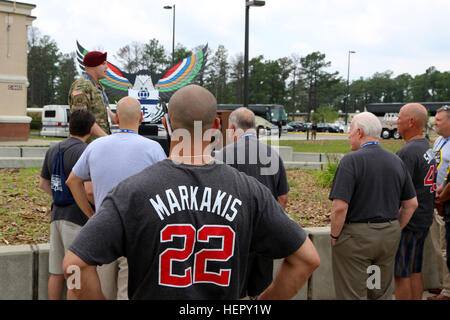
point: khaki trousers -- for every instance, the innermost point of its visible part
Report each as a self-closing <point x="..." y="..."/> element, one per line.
<point x="437" y="231"/>
<point x="359" y="247"/>
<point x="114" y="279"/>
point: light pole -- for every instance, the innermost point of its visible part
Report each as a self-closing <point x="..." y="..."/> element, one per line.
<point x="173" y="33"/>
<point x="248" y="4"/>
<point x="348" y="87"/>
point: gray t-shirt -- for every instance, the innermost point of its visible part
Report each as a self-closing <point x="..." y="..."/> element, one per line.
<point x="187" y="230"/>
<point x="111" y="159"/>
<point x="420" y="162"/>
<point x="258" y="160"/>
<point x="373" y="181"/>
<point x="73" y="148"/>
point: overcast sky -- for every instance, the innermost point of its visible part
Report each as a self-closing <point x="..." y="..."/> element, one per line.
<point x="405" y="36"/>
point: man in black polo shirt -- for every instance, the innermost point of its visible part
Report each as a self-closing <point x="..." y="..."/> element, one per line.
<point x="369" y="186"/>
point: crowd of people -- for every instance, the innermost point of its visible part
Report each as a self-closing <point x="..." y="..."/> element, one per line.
<point x="207" y="224"/>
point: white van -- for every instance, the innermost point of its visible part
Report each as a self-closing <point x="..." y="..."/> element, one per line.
<point x="55" y="121"/>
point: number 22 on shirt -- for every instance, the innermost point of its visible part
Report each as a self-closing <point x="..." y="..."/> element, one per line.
<point x="190" y="235"/>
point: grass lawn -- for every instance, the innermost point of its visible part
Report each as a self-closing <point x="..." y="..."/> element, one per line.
<point x="24" y="208"/>
<point x="335" y="146"/>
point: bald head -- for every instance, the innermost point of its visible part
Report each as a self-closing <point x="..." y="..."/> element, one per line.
<point x="189" y="104"/>
<point x="129" y="111"/>
<point x="242" y="118"/>
<point x="417" y="112"/>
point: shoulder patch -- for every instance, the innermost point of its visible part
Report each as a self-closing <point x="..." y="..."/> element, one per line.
<point x="77" y="92"/>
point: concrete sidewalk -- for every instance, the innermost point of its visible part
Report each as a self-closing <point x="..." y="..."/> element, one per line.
<point x="29" y="143"/>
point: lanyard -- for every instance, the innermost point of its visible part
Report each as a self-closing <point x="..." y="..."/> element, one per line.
<point x="443" y="144"/>
<point x="368" y="144"/>
<point x="127" y="131"/>
<point x="251" y="134"/>
<point x="105" y="99"/>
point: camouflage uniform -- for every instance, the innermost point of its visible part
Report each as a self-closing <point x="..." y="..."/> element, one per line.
<point x="83" y="94"/>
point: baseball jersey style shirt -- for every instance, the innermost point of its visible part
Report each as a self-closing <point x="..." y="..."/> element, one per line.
<point x="420" y="162"/>
<point x="73" y="148"/>
<point x="373" y="181"/>
<point x="187" y="230"/>
<point x="111" y="159"/>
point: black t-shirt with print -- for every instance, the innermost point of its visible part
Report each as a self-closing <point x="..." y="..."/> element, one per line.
<point x="187" y="230"/>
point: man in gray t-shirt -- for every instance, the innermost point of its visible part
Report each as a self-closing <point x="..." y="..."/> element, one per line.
<point x="106" y="162"/>
<point x="187" y="224"/>
<point x="66" y="221"/>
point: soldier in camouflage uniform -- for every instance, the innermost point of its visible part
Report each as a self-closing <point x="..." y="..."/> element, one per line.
<point x="88" y="93"/>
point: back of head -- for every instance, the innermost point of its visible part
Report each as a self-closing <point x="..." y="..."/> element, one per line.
<point x="243" y="118"/>
<point x="129" y="111"/>
<point x="189" y="104"/>
<point x="369" y="123"/>
<point x="81" y="122"/>
<point x="418" y="112"/>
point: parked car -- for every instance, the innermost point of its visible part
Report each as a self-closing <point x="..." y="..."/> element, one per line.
<point x="297" y="126"/>
<point x="327" y="127"/>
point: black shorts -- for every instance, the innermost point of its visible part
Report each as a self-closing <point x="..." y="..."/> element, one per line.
<point x="410" y="253"/>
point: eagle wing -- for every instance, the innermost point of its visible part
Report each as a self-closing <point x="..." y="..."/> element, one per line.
<point x="182" y="74"/>
<point x="116" y="82"/>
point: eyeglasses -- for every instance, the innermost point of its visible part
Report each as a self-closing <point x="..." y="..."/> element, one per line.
<point x="444" y="108"/>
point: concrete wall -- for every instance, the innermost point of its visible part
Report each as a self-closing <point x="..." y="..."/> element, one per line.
<point x="24" y="270"/>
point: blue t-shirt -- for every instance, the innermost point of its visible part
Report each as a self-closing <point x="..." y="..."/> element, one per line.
<point x="109" y="160"/>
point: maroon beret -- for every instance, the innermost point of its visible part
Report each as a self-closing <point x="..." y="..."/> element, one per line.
<point x="94" y="58"/>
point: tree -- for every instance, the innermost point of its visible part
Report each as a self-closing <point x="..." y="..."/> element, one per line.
<point x="67" y="72"/>
<point x="131" y="57"/>
<point x="325" y="114"/>
<point x="317" y="82"/>
<point x="154" y="57"/>
<point x="217" y="75"/>
<point x="181" y="52"/>
<point x="237" y="78"/>
<point x="43" y="59"/>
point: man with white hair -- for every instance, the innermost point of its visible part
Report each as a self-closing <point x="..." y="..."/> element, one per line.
<point x="366" y="222"/>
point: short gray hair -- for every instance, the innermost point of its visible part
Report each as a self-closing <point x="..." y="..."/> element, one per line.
<point x="243" y="118"/>
<point x="368" y="123"/>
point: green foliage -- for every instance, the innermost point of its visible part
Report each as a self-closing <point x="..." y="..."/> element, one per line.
<point x="324" y="178"/>
<point x="325" y="114"/>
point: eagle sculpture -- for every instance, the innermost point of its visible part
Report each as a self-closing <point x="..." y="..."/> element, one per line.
<point x="148" y="88"/>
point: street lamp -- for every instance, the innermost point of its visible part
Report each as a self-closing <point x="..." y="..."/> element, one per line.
<point x="173" y="32"/>
<point x="348" y="87"/>
<point x="248" y="4"/>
